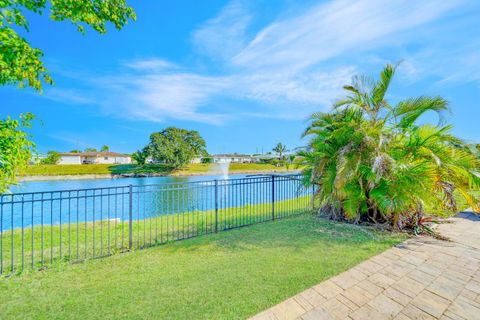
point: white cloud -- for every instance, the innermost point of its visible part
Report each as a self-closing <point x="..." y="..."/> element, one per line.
<point x="225" y="35"/>
<point x="294" y="95"/>
<point x="150" y="64"/>
<point x="73" y="96"/>
<point x="157" y="96"/>
<point x="295" y="65"/>
<point x="335" y="28"/>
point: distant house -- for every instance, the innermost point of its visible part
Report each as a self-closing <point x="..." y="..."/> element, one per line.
<point x="268" y="156"/>
<point x="234" y="158"/>
<point x="94" y="158"/>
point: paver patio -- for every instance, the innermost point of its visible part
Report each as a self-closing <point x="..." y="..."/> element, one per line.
<point x="422" y="278"/>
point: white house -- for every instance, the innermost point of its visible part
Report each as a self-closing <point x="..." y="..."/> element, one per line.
<point x="234" y="158"/>
<point x="94" y="157"/>
<point x="239" y="158"/>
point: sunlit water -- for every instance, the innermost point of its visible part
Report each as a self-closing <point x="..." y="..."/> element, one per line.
<point x="61" y="201"/>
<point x="57" y="185"/>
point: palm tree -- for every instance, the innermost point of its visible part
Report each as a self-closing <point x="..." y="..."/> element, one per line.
<point x="280" y="149"/>
<point x="140" y="156"/>
<point x="371" y="160"/>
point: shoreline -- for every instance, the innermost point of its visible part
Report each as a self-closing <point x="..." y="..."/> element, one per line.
<point x="140" y="175"/>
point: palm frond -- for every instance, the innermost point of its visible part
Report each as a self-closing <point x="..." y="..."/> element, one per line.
<point x="380" y="87"/>
<point x="408" y="111"/>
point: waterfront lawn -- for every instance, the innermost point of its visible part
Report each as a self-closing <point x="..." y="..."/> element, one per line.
<point x="229" y="275"/>
<point x="74" y="169"/>
<point x="37" y="247"/>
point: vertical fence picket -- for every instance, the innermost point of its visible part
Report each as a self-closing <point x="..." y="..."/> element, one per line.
<point x="273" y="197"/>
<point x="1" y="237"/>
<point x="60" y="225"/>
<point x="23" y="233"/>
<point x="69" y="224"/>
<point x="42" y="232"/>
<point x="216" y="205"/>
<point x="33" y="232"/>
<point x="12" y="240"/>
<point x="101" y="222"/>
<point x="130" y="217"/>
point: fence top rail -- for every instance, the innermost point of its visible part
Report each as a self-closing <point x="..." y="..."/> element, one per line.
<point x="207" y="183"/>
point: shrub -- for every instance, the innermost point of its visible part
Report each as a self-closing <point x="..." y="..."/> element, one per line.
<point x="371" y="160"/>
<point x="207" y="160"/>
<point x="53" y="157"/>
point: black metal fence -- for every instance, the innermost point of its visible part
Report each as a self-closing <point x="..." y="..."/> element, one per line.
<point x="42" y="228"/>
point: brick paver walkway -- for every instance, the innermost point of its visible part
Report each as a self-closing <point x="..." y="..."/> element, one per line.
<point x="422" y="278"/>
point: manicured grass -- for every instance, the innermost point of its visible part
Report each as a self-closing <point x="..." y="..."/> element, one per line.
<point x="73" y="169"/>
<point x="229" y="275"/>
<point x="40" y="246"/>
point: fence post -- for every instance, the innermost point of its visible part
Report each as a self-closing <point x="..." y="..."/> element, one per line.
<point x="273" y="197"/>
<point x="130" y="217"/>
<point x="216" y="205"/>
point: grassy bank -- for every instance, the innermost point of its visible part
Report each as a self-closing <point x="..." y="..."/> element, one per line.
<point x="36" y="247"/>
<point x="50" y="170"/>
<point x="229" y="275"/>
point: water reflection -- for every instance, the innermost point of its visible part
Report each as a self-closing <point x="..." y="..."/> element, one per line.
<point x="70" y="201"/>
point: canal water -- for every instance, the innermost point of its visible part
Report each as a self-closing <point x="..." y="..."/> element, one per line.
<point x="73" y="201"/>
<point x="58" y="185"/>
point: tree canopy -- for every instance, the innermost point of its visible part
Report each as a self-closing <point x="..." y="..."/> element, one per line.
<point x="20" y="63"/>
<point x="105" y="148"/>
<point x="371" y="160"/>
<point x="175" y="146"/>
<point x="16" y="148"/>
<point x="140" y="156"/>
<point x="53" y="157"/>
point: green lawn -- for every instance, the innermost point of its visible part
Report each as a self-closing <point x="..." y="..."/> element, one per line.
<point x="75" y="242"/>
<point x="229" y="275"/>
<point x="73" y="169"/>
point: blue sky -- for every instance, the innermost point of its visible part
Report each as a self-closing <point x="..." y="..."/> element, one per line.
<point x="245" y="74"/>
